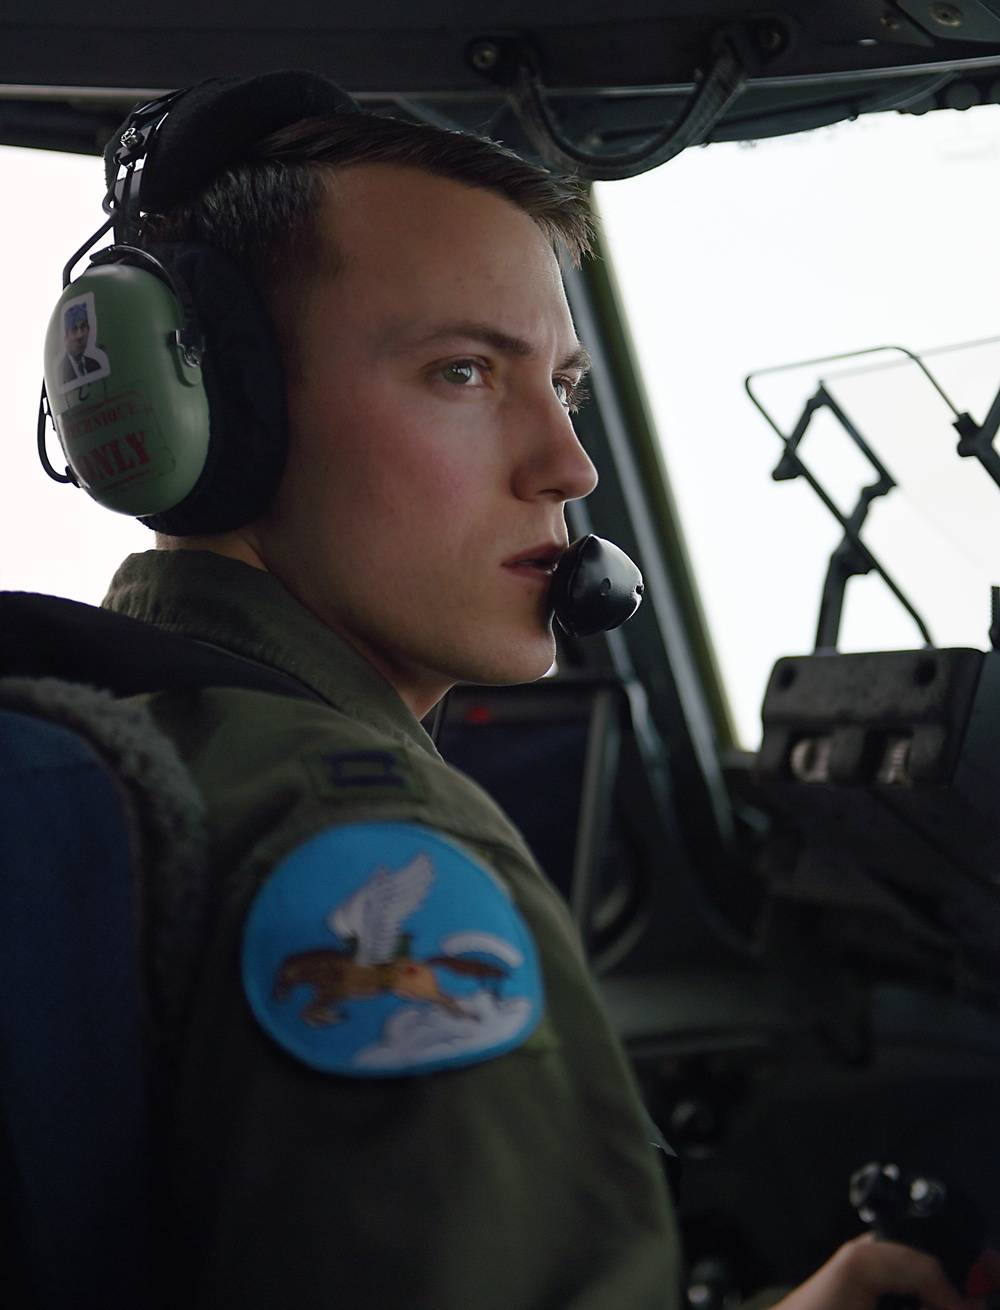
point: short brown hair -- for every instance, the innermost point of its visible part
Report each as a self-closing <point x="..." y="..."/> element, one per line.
<point x="262" y="210"/>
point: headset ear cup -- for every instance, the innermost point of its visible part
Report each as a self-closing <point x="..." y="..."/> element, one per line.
<point x="245" y="384"/>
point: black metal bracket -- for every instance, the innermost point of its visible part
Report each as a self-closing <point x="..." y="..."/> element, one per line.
<point x="852" y="557"/>
<point x="977" y="439"/>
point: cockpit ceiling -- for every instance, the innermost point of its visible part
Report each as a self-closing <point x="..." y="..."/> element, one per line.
<point x="609" y="77"/>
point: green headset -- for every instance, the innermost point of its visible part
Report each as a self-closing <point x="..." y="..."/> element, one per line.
<point x="163" y="376"/>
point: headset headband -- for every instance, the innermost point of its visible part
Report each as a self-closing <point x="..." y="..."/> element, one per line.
<point x="184" y="139"/>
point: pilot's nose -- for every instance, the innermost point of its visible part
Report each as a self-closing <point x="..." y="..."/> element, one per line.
<point x="555" y="465"/>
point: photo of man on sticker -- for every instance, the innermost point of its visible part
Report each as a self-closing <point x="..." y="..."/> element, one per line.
<point x="82" y="362"/>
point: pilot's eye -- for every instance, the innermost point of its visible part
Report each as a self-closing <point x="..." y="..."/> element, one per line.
<point x="571" y="392"/>
<point x="461" y="372"/>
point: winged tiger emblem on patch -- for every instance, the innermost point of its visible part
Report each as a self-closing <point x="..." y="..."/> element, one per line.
<point x="378" y="961"/>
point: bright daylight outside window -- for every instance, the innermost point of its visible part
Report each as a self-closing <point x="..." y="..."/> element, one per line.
<point x="738" y="259"/>
<point x="52" y="538"/>
<point x="731" y="260"/>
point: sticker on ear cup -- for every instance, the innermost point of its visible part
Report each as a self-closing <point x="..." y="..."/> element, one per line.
<point x="384" y="949"/>
<point x="81" y="361"/>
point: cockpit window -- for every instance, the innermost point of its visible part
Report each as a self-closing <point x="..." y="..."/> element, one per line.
<point x="732" y="260"/>
<point x="739" y="258"/>
<point x="51" y="537"/>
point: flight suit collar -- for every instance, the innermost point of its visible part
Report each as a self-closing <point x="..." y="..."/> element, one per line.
<point x="246" y="610"/>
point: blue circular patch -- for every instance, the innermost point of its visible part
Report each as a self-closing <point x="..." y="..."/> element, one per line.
<point x="380" y="949"/>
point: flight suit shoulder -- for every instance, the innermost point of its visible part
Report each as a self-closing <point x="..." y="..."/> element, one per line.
<point x="275" y="771"/>
<point x="390" y="988"/>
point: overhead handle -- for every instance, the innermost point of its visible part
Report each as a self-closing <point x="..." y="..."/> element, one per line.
<point x="739" y="53"/>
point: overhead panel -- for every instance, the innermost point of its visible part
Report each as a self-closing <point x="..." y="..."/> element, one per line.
<point x="584" y="84"/>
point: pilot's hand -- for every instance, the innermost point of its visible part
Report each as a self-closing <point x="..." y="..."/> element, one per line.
<point x="863" y="1270"/>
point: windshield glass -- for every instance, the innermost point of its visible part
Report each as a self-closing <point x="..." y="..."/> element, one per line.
<point x="730" y="260"/>
<point x="738" y="258"/>
<point x="52" y="539"/>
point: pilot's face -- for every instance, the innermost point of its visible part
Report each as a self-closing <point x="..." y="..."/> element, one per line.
<point x="77" y="336"/>
<point x="432" y="451"/>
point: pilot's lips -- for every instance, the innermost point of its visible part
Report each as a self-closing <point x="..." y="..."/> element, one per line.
<point x="538" y="563"/>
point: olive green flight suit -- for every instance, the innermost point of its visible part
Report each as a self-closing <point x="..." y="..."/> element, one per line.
<point x="523" y="1182"/>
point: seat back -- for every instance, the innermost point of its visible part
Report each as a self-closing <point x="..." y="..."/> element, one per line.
<point x="72" y="1085"/>
<point x="102" y="859"/>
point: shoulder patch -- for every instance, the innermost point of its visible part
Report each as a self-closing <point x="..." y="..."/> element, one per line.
<point x="364" y="775"/>
<point x="383" y="949"/>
